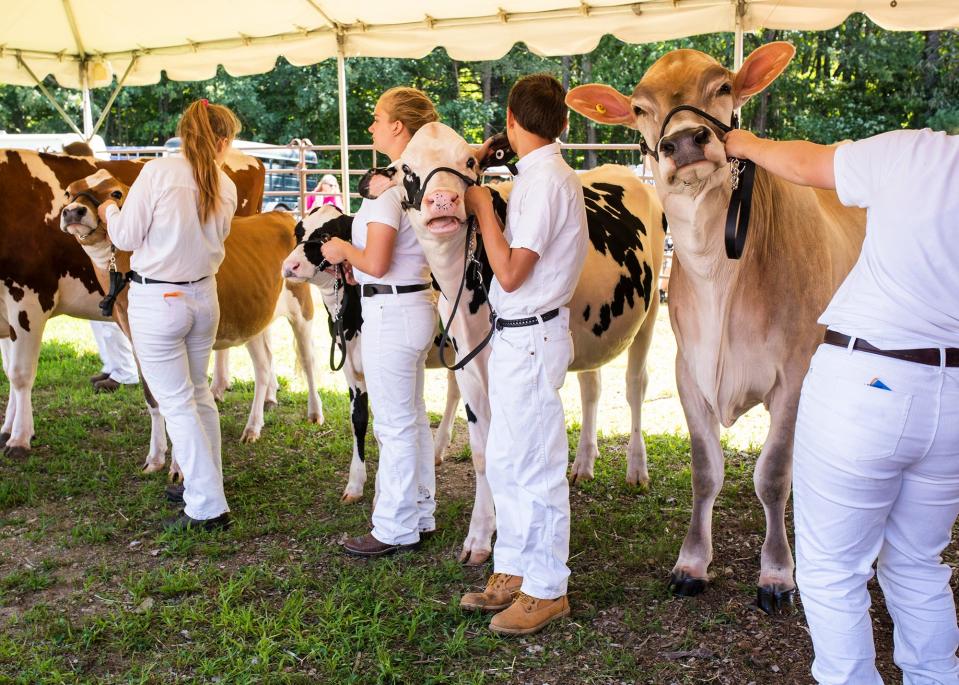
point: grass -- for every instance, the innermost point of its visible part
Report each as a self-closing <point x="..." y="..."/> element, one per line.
<point x="92" y="591"/>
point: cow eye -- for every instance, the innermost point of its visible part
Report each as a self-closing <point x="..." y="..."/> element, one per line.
<point x="67" y="195"/>
<point x="470" y="163"/>
<point x="637" y="110"/>
<point x="724" y="89"/>
<point x="116" y="194"/>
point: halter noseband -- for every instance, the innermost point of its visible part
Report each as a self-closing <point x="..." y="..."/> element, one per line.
<point x="654" y="152"/>
<point x="415" y="190"/>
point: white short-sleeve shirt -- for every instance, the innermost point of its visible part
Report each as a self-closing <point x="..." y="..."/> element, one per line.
<point x="545" y="213"/>
<point x="409" y="265"/>
<point x="903" y="291"/>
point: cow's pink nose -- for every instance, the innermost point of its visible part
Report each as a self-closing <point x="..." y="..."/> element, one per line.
<point x="290" y="269"/>
<point x="442" y="200"/>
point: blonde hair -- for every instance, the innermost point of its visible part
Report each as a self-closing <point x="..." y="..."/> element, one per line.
<point x="412" y="107"/>
<point x="202" y="126"/>
<point x="330" y="180"/>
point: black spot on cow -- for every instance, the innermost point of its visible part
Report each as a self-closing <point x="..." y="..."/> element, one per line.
<point x="24" y="321"/>
<point x="665" y="223"/>
<point x="340" y="227"/>
<point x="615" y="231"/>
<point x="470" y="416"/>
<point x="478" y="298"/>
<point x="13" y="334"/>
<point x="364" y="186"/>
<point x="16" y="292"/>
<point x="450" y="341"/>
<point x="351" y="311"/>
<point x="586" y="313"/>
<point x="360" y="418"/>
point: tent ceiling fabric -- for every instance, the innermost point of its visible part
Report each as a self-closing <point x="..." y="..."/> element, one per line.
<point x="189" y="38"/>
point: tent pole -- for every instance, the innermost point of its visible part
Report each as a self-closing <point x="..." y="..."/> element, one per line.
<point x="344" y="142"/>
<point x="87" y="103"/>
<point x="46" y="93"/>
<point x="738" y="45"/>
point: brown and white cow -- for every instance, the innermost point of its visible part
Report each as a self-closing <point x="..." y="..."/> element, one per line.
<point x="44" y="272"/>
<point x="745" y="329"/>
<point x="613" y="307"/>
<point x="250" y="291"/>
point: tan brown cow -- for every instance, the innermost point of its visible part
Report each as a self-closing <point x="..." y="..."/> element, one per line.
<point x="44" y="272"/>
<point x="745" y="329"/>
<point x="250" y="290"/>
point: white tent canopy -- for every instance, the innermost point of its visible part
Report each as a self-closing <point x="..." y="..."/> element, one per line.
<point x="189" y="38"/>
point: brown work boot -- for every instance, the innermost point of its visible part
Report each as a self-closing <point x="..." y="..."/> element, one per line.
<point x="501" y="590"/>
<point x="369" y="546"/>
<point x="529" y="615"/>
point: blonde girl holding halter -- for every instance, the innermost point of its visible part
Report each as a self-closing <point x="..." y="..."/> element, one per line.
<point x="399" y="321"/>
<point x="175" y="220"/>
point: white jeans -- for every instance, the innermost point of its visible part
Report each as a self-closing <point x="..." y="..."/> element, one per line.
<point x="173" y="329"/>
<point x="397" y="334"/>
<point x="115" y="352"/>
<point x="876" y="476"/>
<point x="527" y="454"/>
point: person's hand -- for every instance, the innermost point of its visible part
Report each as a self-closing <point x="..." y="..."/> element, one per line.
<point x="739" y="144"/>
<point x="483" y="150"/>
<point x="102" y="210"/>
<point x="477" y="200"/>
<point x="334" y="250"/>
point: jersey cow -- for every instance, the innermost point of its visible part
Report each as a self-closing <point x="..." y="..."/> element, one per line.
<point x="745" y="329"/>
<point x="250" y="291"/>
<point x="613" y="307"/>
<point x="342" y="300"/>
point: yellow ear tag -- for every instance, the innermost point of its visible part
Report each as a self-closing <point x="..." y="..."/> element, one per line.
<point x="600" y="108"/>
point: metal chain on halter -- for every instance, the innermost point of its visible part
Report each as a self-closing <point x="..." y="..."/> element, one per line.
<point x="113" y="258"/>
<point x="735" y="169"/>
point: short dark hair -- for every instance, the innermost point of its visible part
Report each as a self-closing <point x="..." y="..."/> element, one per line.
<point x="538" y="102"/>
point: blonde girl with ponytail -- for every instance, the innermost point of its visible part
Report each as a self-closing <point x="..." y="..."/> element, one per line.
<point x="175" y="220"/>
<point x="399" y="321"/>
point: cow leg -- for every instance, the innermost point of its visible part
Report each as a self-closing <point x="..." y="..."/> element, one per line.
<point x="260" y="354"/>
<point x="221" y="374"/>
<point x="637" y="380"/>
<point x="302" y="334"/>
<point x="359" y="422"/>
<point x="590" y="385"/>
<point x="272" y="383"/>
<point x="473" y="383"/>
<point x="21" y="354"/>
<point x="444" y="431"/>
<point x="156" y="458"/>
<point x="772" y="478"/>
<point x="689" y="575"/>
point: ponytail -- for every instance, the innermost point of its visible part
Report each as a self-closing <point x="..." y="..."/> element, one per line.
<point x="202" y="126"/>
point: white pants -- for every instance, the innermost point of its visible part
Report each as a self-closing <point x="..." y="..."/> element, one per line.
<point x="173" y="329"/>
<point x="115" y="352"/>
<point x="527" y="454"/>
<point x="876" y="476"/>
<point x="397" y="334"/>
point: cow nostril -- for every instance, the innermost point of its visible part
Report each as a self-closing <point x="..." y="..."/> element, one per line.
<point x="81" y="211"/>
<point x="702" y="136"/>
<point x="667" y="147"/>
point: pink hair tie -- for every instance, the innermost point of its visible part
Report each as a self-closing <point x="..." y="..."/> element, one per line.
<point x="205" y="102"/>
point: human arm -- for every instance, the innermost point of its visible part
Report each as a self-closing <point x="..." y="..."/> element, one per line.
<point x="374" y="259"/>
<point x="512" y="266"/>
<point x="128" y="227"/>
<point x="798" y="161"/>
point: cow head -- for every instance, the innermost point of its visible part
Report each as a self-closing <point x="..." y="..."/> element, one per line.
<point x="436" y="168"/>
<point x="322" y="223"/>
<point x="79" y="216"/>
<point x="691" y="156"/>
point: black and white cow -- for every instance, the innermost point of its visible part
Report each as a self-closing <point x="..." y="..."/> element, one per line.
<point x="613" y="308"/>
<point x="301" y="266"/>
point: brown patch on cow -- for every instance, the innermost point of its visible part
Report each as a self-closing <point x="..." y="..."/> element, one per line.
<point x="301" y="291"/>
<point x="24" y="321"/>
<point x="13" y="334"/>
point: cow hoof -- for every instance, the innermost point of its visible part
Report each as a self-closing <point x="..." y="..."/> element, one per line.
<point x="683" y="585"/>
<point x="175" y="476"/>
<point x="438" y="460"/>
<point x="473" y="558"/>
<point x="350" y="498"/>
<point x="151" y="467"/>
<point x="315" y="418"/>
<point x="579" y="477"/>
<point x="775" y="601"/>
<point x="106" y="385"/>
<point x="250" y="435"/>
<point x="3" y="439"/>
<point x="16" y="453"/>
<point x="642" y="484"/>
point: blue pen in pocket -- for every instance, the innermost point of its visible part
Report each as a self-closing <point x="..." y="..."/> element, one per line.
<point x="876" y="383"/>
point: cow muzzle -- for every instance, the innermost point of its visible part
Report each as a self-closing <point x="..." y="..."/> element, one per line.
<point x="297" y="270"/>
<point x="78" y="220"/>
<point x="687" y="146"/>
<point x="443" y="211"/>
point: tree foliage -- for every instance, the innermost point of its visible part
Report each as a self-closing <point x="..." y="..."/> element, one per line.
<point x="850" y="82"/>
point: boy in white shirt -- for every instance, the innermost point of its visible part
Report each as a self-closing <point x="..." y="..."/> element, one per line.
<point x="536" y="264"/>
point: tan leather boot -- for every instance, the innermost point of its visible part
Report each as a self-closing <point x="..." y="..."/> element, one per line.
<point x="501" y="590"/>
<point x="529" y="615"/>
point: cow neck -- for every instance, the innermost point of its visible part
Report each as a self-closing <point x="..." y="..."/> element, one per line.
<point x="99" y="253"/>
<point x="445" y="257"/>
<point x="697" y="225"/>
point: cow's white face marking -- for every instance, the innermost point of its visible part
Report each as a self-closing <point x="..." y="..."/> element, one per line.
<point x="236" y="160"/>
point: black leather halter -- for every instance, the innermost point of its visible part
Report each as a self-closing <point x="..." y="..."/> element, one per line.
<point x="744" y="174"/>
<point x="415" y="190"/>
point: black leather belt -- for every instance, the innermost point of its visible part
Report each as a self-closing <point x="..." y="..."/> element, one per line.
<point x="137" y="278"/>
<point x="371" y="289"/>
<point x="528" y="321"/>
<point x="928" y="356"/>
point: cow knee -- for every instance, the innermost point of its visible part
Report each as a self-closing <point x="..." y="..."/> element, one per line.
<point x="770" y="489"/>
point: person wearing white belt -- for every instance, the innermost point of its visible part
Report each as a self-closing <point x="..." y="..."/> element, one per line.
<point x="536" y="265"/>
<point x="876" y="459"/>
<point x="399" y="322"/>
<point x="119" y="366"/>
<point x="175" y="220"/>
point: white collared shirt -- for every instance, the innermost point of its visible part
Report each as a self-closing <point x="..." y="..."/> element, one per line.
<point x="409" y="265"/>
<point x="903" y="291"/>
<point x="545" y="213"/>
<point x="160" y="223"/>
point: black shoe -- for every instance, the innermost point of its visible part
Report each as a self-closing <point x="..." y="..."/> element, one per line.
<point x="174" y="493"/>
<point x="185" y="522"/>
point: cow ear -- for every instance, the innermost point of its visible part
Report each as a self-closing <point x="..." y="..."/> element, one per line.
<point x="601" y="103"/>
<point x="375" y="182"/>
<point x="761" y="68"/>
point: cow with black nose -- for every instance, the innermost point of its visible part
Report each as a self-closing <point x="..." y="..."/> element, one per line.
<point x="613" y="308"/>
